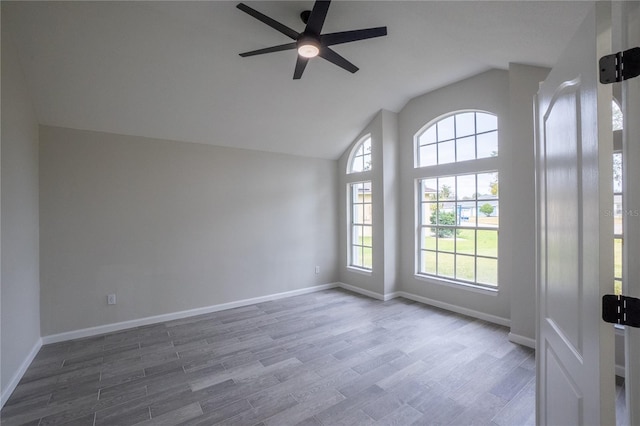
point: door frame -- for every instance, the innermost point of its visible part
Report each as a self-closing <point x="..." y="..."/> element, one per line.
<point x="627" y="17"/>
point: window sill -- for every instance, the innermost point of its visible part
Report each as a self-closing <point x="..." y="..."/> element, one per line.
<point x="459" y="285"/>
<point x="367" y="272"/>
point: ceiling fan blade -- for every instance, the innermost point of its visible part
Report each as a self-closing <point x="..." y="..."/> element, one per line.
<point x="269" y="21"/>
<point x="279" y="48"/>
<point x="349" y="36"/>
<point x="336" y="59"/>
<point x="316" y="19"/>
<point x="301" y="63"/>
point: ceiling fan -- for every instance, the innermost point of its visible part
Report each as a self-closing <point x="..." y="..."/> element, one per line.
<point x="311" y="43"/>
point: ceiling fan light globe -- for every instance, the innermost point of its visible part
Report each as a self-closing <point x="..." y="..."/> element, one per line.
<point x="308" y="50"/>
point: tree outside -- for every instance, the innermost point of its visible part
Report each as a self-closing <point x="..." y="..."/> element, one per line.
<point x="439" y="217"/>
<point x="487" y="209"/>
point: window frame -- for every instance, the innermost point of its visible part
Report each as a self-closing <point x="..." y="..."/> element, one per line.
<point x="352" y="224"/>
<point x="618" y="237"/>
<point x="433" y="123"/>
<point x="458" y="168"/>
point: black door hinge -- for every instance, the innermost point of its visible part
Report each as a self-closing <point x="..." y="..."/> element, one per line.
<point x="623" y="310"/>
<point x="620" y="66"/>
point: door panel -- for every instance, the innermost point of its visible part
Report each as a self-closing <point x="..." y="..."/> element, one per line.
<point x="561" y="123"/>
<point x="575" y="246"/>
<point x="562" y="393"/>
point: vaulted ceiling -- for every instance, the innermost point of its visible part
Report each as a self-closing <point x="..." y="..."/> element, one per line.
<point x="171" y="70"/>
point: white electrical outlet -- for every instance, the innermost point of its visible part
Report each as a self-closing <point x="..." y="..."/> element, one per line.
<point x="111" y="299"/>
<point x="317" y="269"/>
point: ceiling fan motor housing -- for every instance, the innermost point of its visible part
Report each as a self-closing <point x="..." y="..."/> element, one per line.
<point x="304" y="15"/>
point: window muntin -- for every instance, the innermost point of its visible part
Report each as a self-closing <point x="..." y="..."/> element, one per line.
<point x="460" y="137"/>
<point x="618" y="216"/>
<point x="361" y="225"/>
<point x="361" y="157"/>
<point x="458" y="228"/>
<point x="457" y="199"/>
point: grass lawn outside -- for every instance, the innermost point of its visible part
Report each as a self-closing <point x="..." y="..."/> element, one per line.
<point x="455" y="256"/>
<point x="461" y="256"/>
<point x="365" y="252"/>
<point x="617" y="265"/>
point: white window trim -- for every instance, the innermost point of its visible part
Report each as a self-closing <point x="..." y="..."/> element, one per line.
<point x="491" y="291"/>
<point x="358" y="270"/>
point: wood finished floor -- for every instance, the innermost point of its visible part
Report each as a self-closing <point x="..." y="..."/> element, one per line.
<point x="326" y="358"/>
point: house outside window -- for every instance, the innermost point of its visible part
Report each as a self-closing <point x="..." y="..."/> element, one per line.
<point x="457" y="199"/>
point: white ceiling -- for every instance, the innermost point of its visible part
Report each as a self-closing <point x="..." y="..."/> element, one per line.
<point x="171" y="70"/>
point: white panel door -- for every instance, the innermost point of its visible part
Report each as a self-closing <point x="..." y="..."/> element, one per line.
<point x="574" y="347"/>
<point x="631" y="153"/>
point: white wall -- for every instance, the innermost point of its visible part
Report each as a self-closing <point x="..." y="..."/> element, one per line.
<point x="488" y="92"/>
<point x="391" y="198"/>
<point x="171" y="226"/>
<point x="519" y="214"/>
<point x="19" y="288"/>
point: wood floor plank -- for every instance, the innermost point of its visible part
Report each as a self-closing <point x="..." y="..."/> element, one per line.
<point x="227" y="412"/>
<point x="303" y="410"/>
<point x="174" y="417"/>
<point x="258" y="414"/>
<point x="515" y="412"/>
<point x="404" y="415"/>
<point x="337" y="412"/>
<point x="378" y="408"/>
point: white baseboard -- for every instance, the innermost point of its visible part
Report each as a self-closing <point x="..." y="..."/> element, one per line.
<point x="108" y="328"/>
<point x="389" y="296"/>
<point x="362" y="291"/>
<point x="522" y="340"/>
<point x="458" y="309"/>
<point x="449" y="307"/>
<point x="526" y="341"/>
<point x="17" y="376"/>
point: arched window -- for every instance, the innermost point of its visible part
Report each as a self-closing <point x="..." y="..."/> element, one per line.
<point x="459" y="137"/>
<point x="457" y="199"/>
<point x="360" y="160"/>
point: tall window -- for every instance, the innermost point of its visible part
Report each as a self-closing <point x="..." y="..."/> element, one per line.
<point x="361" y="225"/>
<point x="458" y="206"/>
<point x="360" y="235"/>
